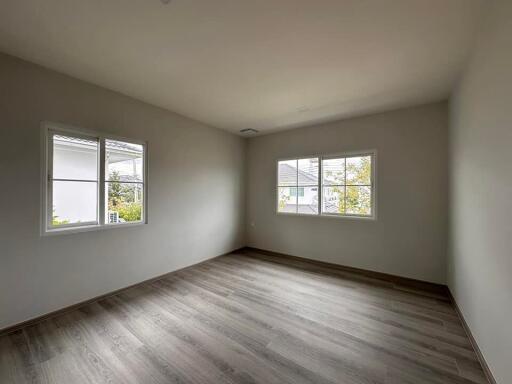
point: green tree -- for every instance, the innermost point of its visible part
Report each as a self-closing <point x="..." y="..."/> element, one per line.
<point x="121" y="199"/>
<point x="119" y="193"/>
<point x="355" y="198"/>
<point x="115" y="190"/>
<point x="283" y="199"/>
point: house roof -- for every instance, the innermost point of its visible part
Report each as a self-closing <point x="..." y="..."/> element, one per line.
<point x="288" y="175"/>
<point x="109" y="144"/>
<point x="117" y="150"/>
<point x="118" y="153"/>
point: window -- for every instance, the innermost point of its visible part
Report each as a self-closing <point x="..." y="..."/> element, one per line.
<point x="346" y="185"/>
<point x="91" y="180"/>
<point x="298" y="186"/>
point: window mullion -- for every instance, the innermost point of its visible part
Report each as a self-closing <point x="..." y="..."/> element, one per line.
<point x="102" y="183"/>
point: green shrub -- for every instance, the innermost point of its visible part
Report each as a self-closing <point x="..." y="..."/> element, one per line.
<point x="130" y="211"/>
<point x="56" y="221"/>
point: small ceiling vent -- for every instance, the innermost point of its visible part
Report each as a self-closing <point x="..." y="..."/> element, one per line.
<point x="248" y="131"/>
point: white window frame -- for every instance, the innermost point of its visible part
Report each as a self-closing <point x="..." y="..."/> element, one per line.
<point x="320" y="186"/>
<point x="48" y="130"/>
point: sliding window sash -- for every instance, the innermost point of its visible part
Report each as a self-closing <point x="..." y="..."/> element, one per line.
<point x="51" y="133"/>
<point x="372" y="186"/>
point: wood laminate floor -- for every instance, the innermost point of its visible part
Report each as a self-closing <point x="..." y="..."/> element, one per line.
<point x="249" y="318"/>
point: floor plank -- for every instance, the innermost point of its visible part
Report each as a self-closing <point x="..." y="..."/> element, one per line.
<point x="250" y="318"/>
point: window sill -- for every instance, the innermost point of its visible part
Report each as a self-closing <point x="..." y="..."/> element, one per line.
<point x="342" y="217"/>
<point x="89" y="228"/>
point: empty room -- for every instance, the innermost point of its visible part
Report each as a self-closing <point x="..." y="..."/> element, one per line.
<point x="256" y="191"/>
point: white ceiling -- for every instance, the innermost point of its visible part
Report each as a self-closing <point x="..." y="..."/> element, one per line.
<point x="264" y="64"/>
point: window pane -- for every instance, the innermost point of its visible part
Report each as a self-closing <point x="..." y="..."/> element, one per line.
<point x="287" y="173"/>
<point x="75" y="158"/>
<point x="287" y="199"/>
<point x="333" y="200"/>
<point x="308" y="171"/>
<point x="359" y="201"/>
<point x="124" y="202"/>
<point x="308" y="200"/>
<point x="74" y="202"/>
<point x="333" y="171"/>
<point x="359" y="170"/>
<point x="123" y="161"/>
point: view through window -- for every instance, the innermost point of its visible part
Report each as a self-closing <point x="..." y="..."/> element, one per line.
<point x="345" y="188"/>
<point x="79" y="194"/>
<point x="298" y="186"/>
<point x="125" y="186"/>
<point x="74" y="183"/>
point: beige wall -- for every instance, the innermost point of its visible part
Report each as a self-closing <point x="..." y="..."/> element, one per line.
<point x="480" y="262"/>
<point x="196" y="194"/>
<point x="409" y="236"/>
